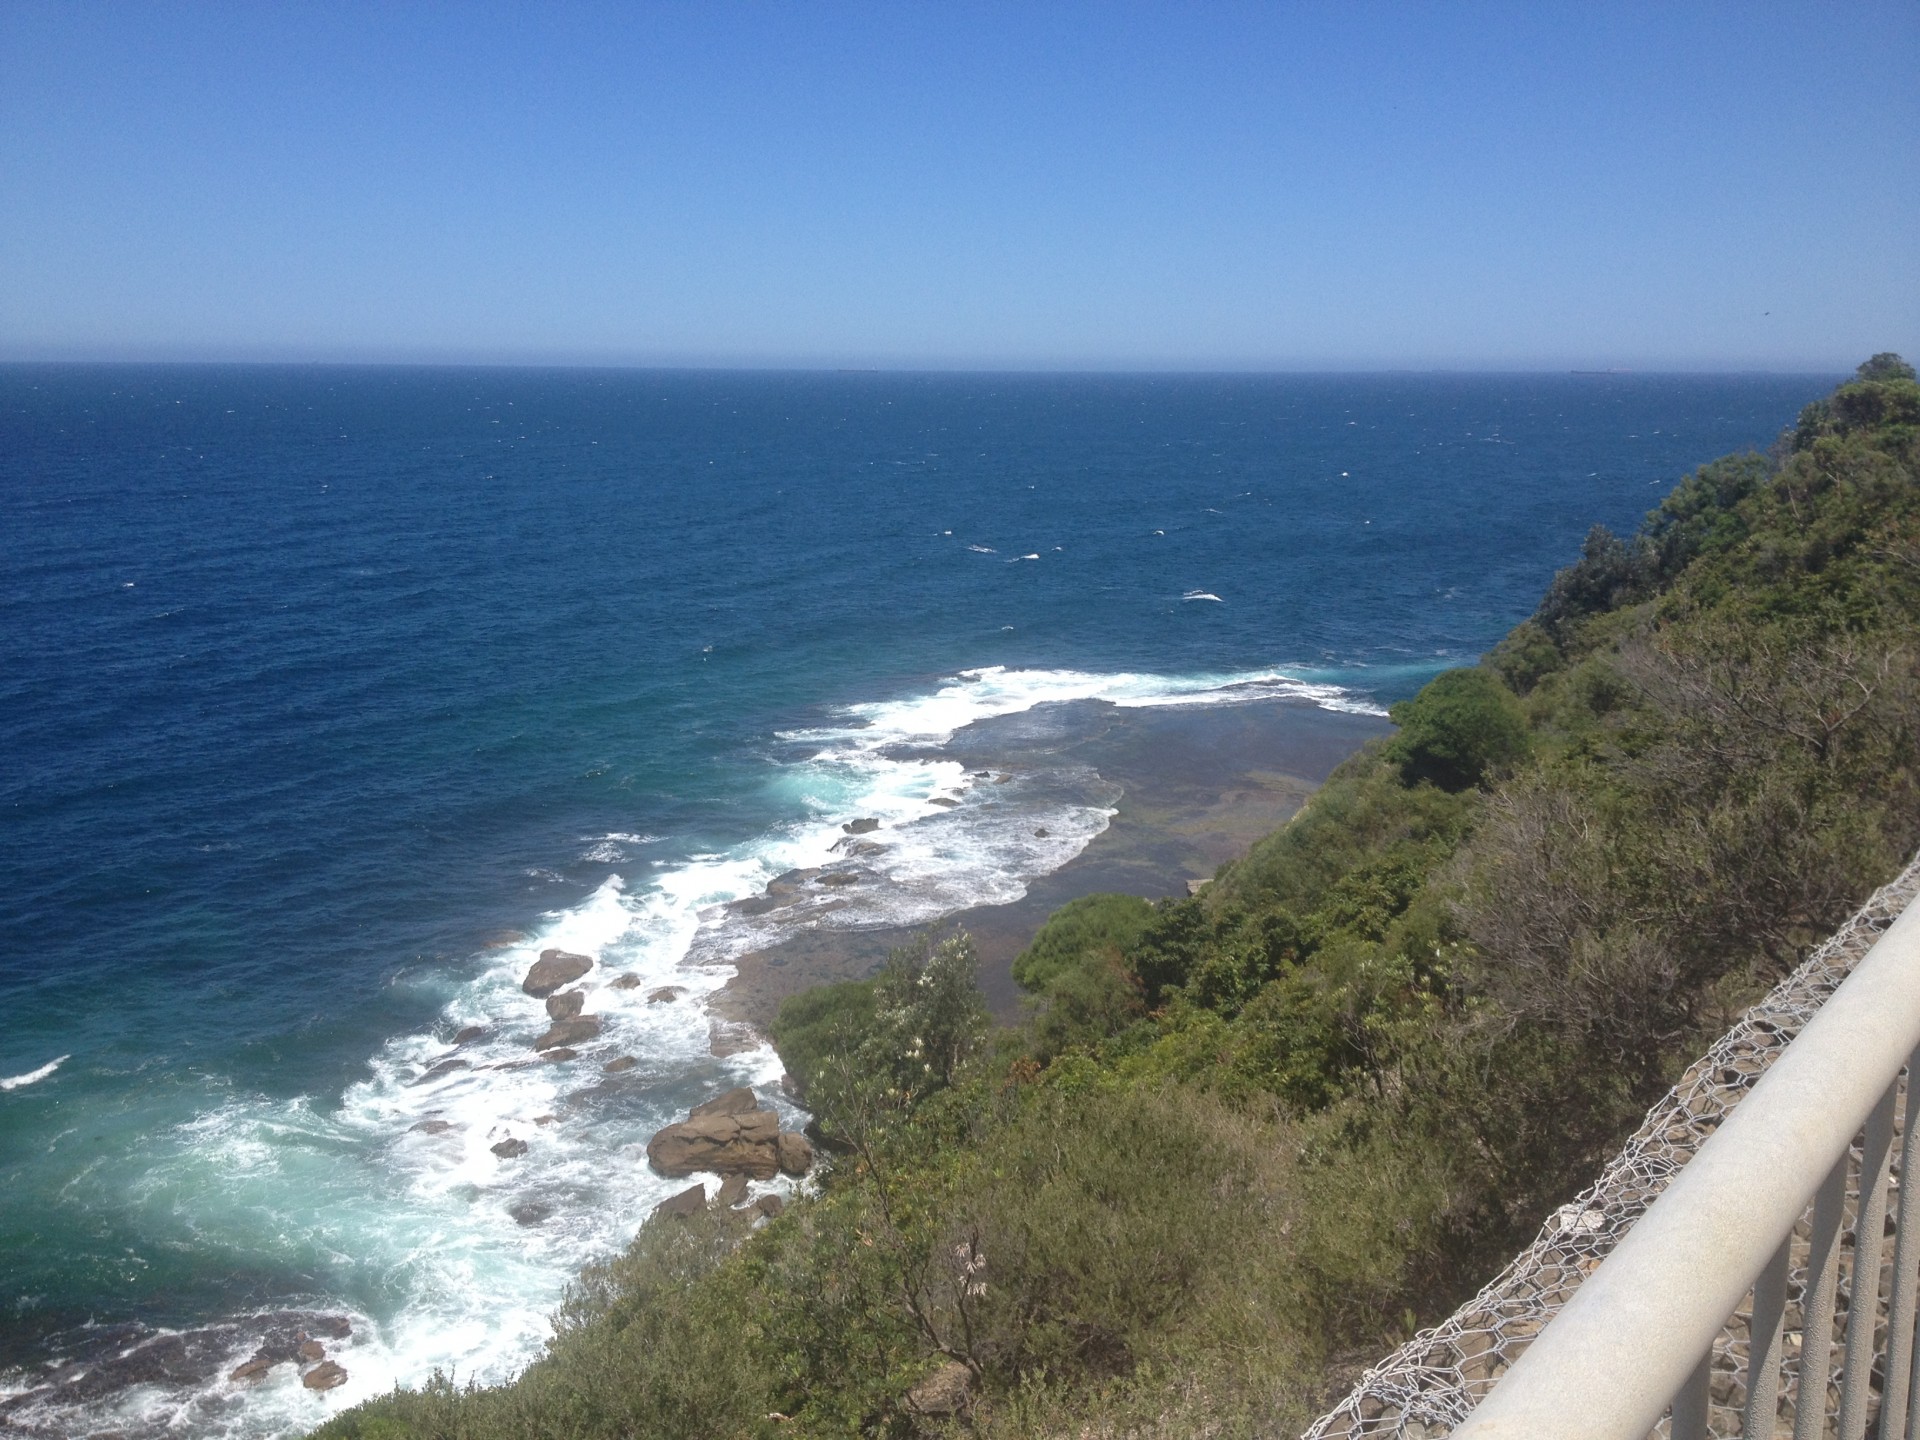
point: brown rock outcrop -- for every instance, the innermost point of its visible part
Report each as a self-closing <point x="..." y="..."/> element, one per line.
<point x="629" y="981"/>
<point x="726" y="1144"/>
<point x="690" y="1201"/>
<point x="665" y="994"/>
<point x="509" y="1149"/>
<point x="861" y="827"/>
<point x="793" y="1152"/>
<point x="568" y="1032"/>
<point x="732" y="1191"/>
<point x="327" y="1375"/>
<point x="566" y="1004"/>
<point x="552" y="970"/>
<point x="733" y="1102"/>
<point x="620" y="1066"/>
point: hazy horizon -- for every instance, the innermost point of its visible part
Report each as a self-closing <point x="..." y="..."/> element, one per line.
<point x="1133" y="188"/>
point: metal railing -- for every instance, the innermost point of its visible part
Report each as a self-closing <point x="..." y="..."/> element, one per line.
<point x="1757" y="1295"/>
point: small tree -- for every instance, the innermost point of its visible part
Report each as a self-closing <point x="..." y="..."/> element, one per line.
<point x="1457" y="730"/>
<point x="1884" y="366"/>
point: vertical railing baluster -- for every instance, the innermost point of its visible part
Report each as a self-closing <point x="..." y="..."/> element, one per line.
<point x="1894" y="1421"/>
<point x="1764" y="1341"/>
<point x="1690" y="1405"/>
<point x="1816" y="1304"/>
<point x="1863" y="1285"/>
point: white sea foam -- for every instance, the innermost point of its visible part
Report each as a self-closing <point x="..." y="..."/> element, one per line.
<point x="417" y="1227"/>
<point x="16" y="1082"/>
<point x="1201" y="595"/>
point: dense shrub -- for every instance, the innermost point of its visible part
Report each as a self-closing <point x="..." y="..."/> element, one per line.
<point x="1462" y="727"/>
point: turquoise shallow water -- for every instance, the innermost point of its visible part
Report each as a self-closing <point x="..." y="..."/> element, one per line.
<point x="314" y="681"/>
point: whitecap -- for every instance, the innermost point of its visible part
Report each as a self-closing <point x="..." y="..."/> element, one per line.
<point x="1203" y="595"/>
<point x="981" y="549"/>
<point x="17" y="1082"/>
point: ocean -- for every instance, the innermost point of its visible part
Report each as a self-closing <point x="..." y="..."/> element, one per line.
<point x="330" y="696"/>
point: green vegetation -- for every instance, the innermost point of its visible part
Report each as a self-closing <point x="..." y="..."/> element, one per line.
<point x="1248" y="1136"/>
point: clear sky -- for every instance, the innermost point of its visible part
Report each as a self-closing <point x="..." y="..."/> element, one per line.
<point x="1031" y="184"/>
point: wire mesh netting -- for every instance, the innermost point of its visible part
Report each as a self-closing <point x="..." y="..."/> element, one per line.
<point x="1430" y="1384"/>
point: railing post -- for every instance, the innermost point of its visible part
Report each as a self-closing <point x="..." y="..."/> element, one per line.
<point x="1765" y="1338"/>
<point x="1906" y="1272"/>
<point x="1863" y="1288"/>
<point x="1816" y="1304"/>
<point x="1690" y="1405"/>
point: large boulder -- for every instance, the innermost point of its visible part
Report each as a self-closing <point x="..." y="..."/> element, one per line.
<point x="741" y="1143"/>
<point x="552" y="970"/>
<point x="864" y="826"/>
<point x="733" y="1102"/>
<point x="324" y="1376"/>
<point x="566" y="1004"/>
<point x="794" y="1153"/>
<point x="566" y="1033"/>
<point x="689" y="1202"/>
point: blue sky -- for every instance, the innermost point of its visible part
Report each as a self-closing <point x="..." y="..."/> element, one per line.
<point x="1025" y="185"/>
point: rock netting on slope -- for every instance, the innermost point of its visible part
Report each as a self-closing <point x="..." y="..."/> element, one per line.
<point x="730" y="1135"/>
<point x="1431" y="1384"/>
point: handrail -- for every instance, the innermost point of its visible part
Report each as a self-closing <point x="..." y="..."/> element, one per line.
<point x="1633" y="1336"/>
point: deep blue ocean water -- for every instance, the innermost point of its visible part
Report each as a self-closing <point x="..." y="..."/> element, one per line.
<point x="316" y="682"/>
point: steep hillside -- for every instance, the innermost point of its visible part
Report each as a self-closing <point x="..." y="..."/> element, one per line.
<point x="1250" y="1134"/>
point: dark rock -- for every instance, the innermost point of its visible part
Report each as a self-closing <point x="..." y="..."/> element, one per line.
<point x="546" y="1119"/>
<point x="794" y="1153"/>
<point x="620" y="1066"/>
<point x="732" y="1191"/>
<point x="325" y="1376"/>
<point x="983" y="774"/>
<point x="530" y="1212"/>
<point x="690" y="1201"/>
<point x="552" y="970"/>
<point x="665" y="994"/>
<point x="865" y="848"/>
<point x="253" y="1369"/>
<point x="840" y="877"/>
<point x="628" y="981"/>
<point x="566" y="1005"/>
<point x="946" y="800"/>
<point x="469" y="1033"/>
<point x="509" y="1148"/>
<point x="947" y="1391"/>
<point x="861" y="827"/>
<point x="568" y="1032"/>
<point x="1042" y="833"/>
<point x="310" y="1351"/>
<point x="742" y="1144"/>
<point x="433" y="1127"/>
<point x="443" y="1067"/>
<point x="562" y="1053"/>
<point x="732" y="1102"/>
<point x="770" y="1205"/>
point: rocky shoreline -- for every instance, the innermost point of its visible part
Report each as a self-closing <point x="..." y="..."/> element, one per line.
<point x="1199" y="786"/>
